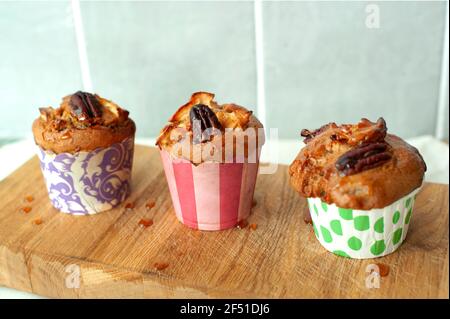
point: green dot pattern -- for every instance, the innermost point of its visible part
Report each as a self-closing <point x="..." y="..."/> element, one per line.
<point x="361" y="234"/>
<point x="396" y="217"/>
<point x="316" y="210"/>
<point x="397" y="236"/>
<point x="379" y="225"/>
<point x="326" y="234"/>
<point x="341" y="253"/>
<point x="336" y="227"/>
<point x="346" y="214"/>
<point x="408" y="216"/>
<point x="354" y="243"/>
<point x="361" y="223"/>
<point x="378" y="247"/>
<point x="408" y="202"/>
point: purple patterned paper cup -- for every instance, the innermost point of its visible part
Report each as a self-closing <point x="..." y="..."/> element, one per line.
<point x="87" y="183"/>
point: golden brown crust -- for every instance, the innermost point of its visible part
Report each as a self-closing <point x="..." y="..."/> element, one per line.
<point x="230" y="116"/>
<point x="314" y="174"/>
<point x="60" y="131"/>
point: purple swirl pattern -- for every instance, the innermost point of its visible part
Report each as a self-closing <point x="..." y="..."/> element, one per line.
<point x="88" y="182"/>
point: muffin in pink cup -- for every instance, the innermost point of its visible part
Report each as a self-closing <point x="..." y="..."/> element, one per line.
<point x="210" y="154"/>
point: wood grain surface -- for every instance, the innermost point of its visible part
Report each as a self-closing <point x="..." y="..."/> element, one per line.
<point x="281" y="258"/>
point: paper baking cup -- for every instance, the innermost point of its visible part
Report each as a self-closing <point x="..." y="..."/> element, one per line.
<point x="88" y="182"/>
<point x="362" y="234"/>
<point x="210" y="196"/>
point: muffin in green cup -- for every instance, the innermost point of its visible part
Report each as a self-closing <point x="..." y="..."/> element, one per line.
<point x="360" y="183"/>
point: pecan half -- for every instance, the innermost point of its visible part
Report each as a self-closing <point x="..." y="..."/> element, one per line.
<point x="207" y="119"/>
<point x="363" y="157"/>
<point x="85" y="106"/>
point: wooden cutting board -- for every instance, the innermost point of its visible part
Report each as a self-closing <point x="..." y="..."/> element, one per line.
<point x="112" y="256"/>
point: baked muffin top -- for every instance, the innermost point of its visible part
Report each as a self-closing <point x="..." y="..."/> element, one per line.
<point x="356" y="166"/>
<point x="205" y="141"/>
<point x="83" y="122"/>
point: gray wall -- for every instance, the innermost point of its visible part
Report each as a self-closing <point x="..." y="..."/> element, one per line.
<point x="321" y="62"/>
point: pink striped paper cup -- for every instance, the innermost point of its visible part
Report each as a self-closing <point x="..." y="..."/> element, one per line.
<point x="210" y="196"/>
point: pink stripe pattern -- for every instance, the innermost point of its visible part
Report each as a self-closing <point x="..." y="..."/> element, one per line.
<point x="207" y="195"/>
<point x="210" y="196"/>
<point x="230" y="191"/>
<point x="186" y="194"/>
<point x="170" y="176"/>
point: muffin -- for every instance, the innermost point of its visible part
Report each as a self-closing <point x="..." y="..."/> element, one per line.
<point x="85" y="148"/>
<point x="361" y="184"/>
<point x="210" y="154"/>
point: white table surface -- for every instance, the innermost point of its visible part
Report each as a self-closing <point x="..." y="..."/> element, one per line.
<point x="435" y="153"/>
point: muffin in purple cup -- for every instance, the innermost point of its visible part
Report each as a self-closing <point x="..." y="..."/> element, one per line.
<point x="86" y="151"/>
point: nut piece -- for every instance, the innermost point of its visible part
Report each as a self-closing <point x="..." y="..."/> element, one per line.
<point x="207" y="119"/>
<point x="309" y="135"/>
<point x="363" y="157"/>
<point x="85" y="106"/>
<point x="46" y="113"/>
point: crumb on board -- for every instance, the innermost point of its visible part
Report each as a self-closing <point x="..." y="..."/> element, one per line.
<point x="161" y="266"/>
<point x="150" y="205"/>
<point x="383" y="269"/>
<point x="243" y="223"/>
<point x="26" y="209"/>
<point x="145" y="223"/>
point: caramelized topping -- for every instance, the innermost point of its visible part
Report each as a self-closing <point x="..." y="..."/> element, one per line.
<point x="363" y="132"/>
<point x="367" y="139"/>
<point x="129" y="206"/>
<point x="81" y="110"/>
<point x="29" y="198"/>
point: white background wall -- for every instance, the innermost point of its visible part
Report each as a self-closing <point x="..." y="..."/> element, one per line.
<point x="316" y="61"/>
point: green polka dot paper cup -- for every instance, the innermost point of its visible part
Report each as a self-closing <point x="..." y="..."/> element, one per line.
<point x="362" y="234"/>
